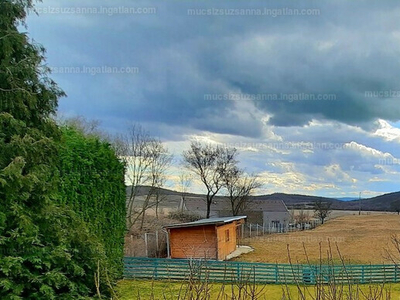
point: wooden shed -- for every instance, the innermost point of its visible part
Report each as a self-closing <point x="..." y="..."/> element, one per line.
<point x="213" y="238"/>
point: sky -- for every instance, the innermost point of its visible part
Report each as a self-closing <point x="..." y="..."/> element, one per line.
<point x="307" y="92"/>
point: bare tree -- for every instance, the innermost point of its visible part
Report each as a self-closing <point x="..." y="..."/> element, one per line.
<point x="185" y="181"/>
<point x="159" y="197"/>
<point x="146" y="160"/>
<point x="239" y="188"/>
<point x="159" y="161"/>
<point x="322" y="209"/>
<point x="393" y="257"/>
<point x="86" y="126"/>
<point x="209" y="163"/>
<point x="302" y="218"/>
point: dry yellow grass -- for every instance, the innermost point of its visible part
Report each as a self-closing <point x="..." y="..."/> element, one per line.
<point x="361" y="240"/>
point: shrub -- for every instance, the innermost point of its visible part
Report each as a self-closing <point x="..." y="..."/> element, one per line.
<point x="184" y="216"/>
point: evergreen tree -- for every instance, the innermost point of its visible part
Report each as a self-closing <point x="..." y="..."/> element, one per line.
<point x="46" y="251"/>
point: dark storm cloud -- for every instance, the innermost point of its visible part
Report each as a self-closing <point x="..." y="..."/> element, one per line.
<point x="346" y="50"/>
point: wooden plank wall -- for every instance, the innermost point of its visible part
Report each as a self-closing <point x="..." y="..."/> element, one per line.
<point x="226" y="246"/>
<point x="193" y="242"/>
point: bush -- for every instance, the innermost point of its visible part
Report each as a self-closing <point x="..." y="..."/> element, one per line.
<point x="184" y="216"/>
<point x="57" y="257"/>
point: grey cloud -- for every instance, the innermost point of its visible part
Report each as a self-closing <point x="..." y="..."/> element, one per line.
<point x="346" y="50"/>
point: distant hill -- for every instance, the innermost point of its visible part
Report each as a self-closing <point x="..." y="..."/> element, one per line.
<point x="144" y="190"/>
<point x="300" y="201"/>
<point x="346" y="198"/>
<point x="379" y="203"/>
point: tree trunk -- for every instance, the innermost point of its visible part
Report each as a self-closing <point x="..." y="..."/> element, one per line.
<point x="144" y="208"/>
<point x="233" y="207"/>
<point x="209" y="201"/>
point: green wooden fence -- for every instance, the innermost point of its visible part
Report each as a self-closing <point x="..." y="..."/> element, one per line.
<point x="227" y="271"/>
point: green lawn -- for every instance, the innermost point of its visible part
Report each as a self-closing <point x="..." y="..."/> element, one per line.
<point x="169" y="290"/>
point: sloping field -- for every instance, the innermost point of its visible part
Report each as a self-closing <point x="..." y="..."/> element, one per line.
<point x="360" y="239"/>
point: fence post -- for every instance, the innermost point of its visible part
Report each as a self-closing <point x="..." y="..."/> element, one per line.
<point x="276" y="274"/>
<point x="145" y="241"/>
<point x="156" y="270"/>
<point x="362" y="274"/>
<point x="238" y="272"/>
<point x="257" y="229"/>
<point x="250" y="229"/>
<point x="315" y="276"/>
<point x="168" y="250"/>
<point x="157" y="254"/>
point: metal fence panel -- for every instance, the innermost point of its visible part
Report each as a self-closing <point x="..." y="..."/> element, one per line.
<point x="226" y="271"/>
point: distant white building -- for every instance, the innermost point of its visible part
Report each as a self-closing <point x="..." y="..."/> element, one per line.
<point x="268" y="213"/>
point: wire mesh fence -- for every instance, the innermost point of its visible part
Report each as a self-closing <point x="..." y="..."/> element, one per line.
<point x="250" y="230"/>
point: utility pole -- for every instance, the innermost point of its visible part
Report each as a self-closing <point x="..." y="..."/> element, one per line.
<point x="359" y="203"/>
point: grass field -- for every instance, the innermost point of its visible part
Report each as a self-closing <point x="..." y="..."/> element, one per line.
<point x="361" y="239"/>
<point x="133" y="289"/>
<point x="170" y="290"/>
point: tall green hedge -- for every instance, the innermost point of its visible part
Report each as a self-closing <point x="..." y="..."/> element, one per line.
<point x="46" y="250"/>
<point x="92" y="184"/>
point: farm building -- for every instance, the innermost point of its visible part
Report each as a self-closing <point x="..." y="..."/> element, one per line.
<point x="213" y="238"/>
<point x="269" y="213"/>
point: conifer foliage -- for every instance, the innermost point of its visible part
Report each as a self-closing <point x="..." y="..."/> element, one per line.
<point x="92" y="184"/>
<point x="47" y="250"/>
